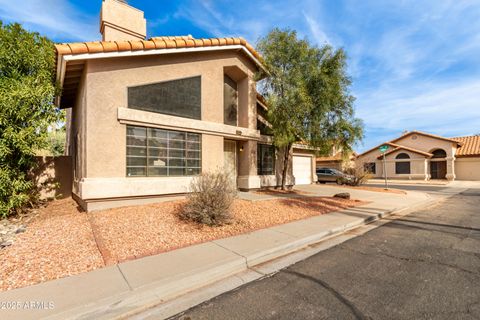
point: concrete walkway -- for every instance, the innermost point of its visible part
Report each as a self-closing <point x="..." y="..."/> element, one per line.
<point x="133" y="286"/>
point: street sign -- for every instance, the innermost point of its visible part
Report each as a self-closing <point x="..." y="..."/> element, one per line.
<point x="383" y="148"/>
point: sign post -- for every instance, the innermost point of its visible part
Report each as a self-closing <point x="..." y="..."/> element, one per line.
<point x="383" y="149"/>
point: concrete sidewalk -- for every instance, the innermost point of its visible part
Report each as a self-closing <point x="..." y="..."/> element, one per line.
<point x="127" y="288"/>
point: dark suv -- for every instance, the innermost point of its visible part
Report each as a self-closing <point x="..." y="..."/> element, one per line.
<point x="331" y="175"/>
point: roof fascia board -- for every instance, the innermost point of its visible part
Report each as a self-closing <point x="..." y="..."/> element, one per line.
<point x="61" y="67"/>
<point x="114" y="54"/>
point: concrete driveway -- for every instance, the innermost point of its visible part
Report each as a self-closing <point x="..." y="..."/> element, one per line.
<point x="451" y="187"/>
<point x="425" y="265"/>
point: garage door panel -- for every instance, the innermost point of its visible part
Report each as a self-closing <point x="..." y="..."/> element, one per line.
<point x="302" y="169"/>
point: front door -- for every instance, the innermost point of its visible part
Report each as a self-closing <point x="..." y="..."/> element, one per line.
<point x="438" y="169"/>
<point x="230" y="159"/>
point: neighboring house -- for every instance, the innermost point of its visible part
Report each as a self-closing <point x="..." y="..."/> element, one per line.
<point x="336" y="161"/>
<point x="146" y="116"/>
<point x="419" y="155"/>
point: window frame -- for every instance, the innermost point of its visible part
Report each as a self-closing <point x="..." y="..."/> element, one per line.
<point x="402" y="164"/>
<point x="154" y="135"/>
<point x="261" y="170"/>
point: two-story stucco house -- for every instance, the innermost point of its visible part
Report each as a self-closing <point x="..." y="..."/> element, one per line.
<point x="424" y="156"/>
<point x="146" y="116"/>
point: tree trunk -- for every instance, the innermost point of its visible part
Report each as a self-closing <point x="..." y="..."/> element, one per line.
<point x="286" y="161"/>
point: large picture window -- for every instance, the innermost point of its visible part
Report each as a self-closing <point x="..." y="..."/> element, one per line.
<point x="402" y="166"/>
<point x="181" y="98"/>
<point x="158" y="152"/>
<point x="265" y="159"/>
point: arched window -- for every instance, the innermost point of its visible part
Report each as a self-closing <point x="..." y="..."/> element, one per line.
<point x="402" y="166"/>
<point x="439" y="153"/>
<point x="402" y="156"/>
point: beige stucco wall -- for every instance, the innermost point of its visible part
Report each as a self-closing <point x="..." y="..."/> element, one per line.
<point x="76" y="134"/>
<point x="101" y="114"/>
<point x="468" y="168"/>
<point x="371" y="157"/>
<point x="53" y="177"/>
<point x="427" y="144"/>
<point x="119" y="21"/>
<point x="107" y="84"/>
<point x="418" y="166"/>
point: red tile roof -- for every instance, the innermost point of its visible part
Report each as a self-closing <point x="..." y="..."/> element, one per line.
<point x="470" y="146"/>
<point x="174" y="42"/>
<point x="422" y="134"/>
<point x="374" y="148"/>
<point x="426" y="154"/>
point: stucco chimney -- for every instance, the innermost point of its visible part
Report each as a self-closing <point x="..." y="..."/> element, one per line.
<point x="119" y="21"/>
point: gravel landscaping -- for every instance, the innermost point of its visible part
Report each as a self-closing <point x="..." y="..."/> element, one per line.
<point x="62" y="240"/>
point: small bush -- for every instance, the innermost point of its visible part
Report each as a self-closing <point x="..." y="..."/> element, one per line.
<point x="358" y="177"/>
<point x="210" y="200"/>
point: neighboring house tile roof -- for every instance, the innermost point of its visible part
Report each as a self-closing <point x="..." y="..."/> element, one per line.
<point x="423" y="134"/>
<point x="337" y="157"/>
<point x="372" y="149"/>
<point x="426" y="154"/>
<point x="470" y="146"/>
<point x="174" y="42"/>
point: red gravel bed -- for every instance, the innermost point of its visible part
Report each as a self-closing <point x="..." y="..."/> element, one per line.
<point x="57" y="243"/>
<point x="133" y="232"/>
<point x="63" y="241"/>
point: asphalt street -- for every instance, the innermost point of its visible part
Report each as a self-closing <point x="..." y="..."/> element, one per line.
<point x="425" y="265"/>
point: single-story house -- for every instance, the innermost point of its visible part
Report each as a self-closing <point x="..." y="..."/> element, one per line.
<point x="424" y="156"/>
<point x="146" y="116"/>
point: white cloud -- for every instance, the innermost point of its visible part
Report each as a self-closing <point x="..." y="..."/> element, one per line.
<point x="54" y="18"/>
<point x="450" y="108"/>
<point x="319" y="36"/>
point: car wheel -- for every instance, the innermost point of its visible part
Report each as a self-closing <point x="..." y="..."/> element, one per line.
<point x="339" y="181"/>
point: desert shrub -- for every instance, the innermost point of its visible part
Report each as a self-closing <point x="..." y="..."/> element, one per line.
<point x="358" y="176"/>
<point x="210" y="199"/>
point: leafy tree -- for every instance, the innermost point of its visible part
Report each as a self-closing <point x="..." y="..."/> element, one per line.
<point x="27" y="90"/>
<point x="307" y="91"/>
<point x="55" y="142"/>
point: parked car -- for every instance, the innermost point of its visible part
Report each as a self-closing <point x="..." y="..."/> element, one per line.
<point x="331" y="175"/>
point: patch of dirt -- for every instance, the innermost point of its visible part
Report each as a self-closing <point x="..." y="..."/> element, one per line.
<point x="62" y="240"/>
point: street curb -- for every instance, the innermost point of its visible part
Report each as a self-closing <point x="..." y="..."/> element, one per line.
<point x="252" y="263"/>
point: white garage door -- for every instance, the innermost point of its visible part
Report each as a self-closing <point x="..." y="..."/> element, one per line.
<point x="302" y="169"/>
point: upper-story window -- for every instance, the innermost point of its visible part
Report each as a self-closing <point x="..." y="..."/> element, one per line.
<point x="230" y="101"/>
<point x="181" y="98"/>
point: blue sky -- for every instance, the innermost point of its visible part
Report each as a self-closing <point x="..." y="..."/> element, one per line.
<point x="415" y="65"/>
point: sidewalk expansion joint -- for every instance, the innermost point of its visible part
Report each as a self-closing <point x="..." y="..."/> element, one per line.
<point x="124" y="278"/>
<point x="285" y="233"/>
<point x="232" y="251"/>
